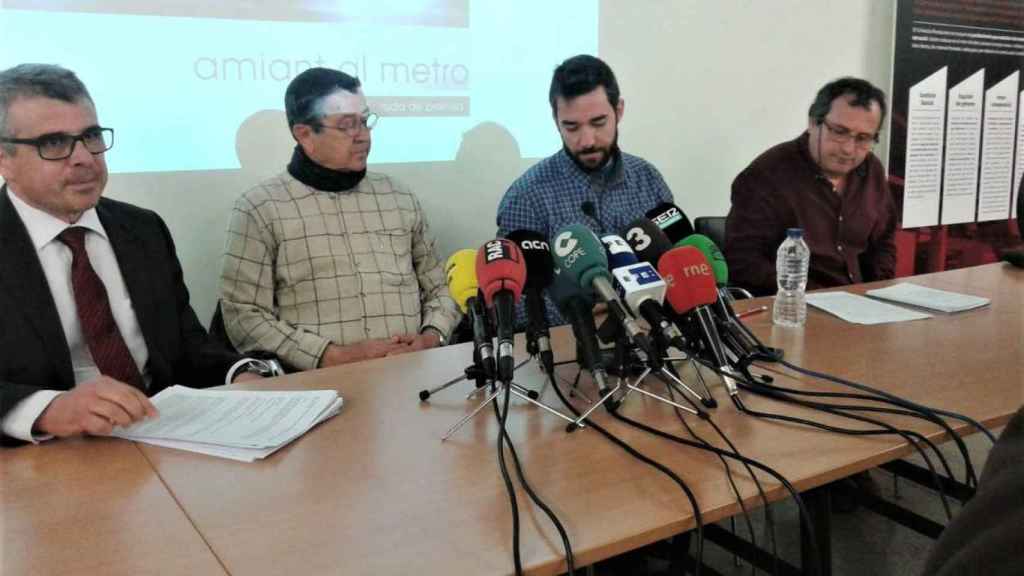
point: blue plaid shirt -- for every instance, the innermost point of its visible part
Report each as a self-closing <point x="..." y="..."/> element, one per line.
<point x="550" y="196"/>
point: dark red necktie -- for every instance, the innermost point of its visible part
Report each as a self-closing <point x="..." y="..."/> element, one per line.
<point x="108" y="349"/>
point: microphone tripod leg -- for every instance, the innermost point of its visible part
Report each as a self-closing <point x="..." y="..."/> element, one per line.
<point x="671" y="379"/>
<point x="662" y="399"/>
<point x="468" y="417"/>
<point x="424" y="394"/>
<point x="488" y="386"/>
<point x="707" y="400"/>
<point x="578" y="423"/>
<point x="524" y="391"/>
<point x="541" y="405"/>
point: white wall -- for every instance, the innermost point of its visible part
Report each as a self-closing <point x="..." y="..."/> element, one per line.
<point x="708" y="85"/>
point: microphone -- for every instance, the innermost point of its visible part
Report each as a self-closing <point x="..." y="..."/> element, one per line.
<point x="691" y="286"/>
<point x="579" y="254"/>
<point x="540" y="272"/>
<point x="642" y="288"/>
<point x="464" y="289"/>
<point x="590" y="210"/>
<point x="577" y="306"/>
<point x="501" y="273"/>
<point x="745" y="338"/>
<point x="672" y="221"/>
<point x="647" y="240"/>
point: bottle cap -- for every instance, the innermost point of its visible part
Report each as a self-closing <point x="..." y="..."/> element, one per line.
<point x="794" y="233"/>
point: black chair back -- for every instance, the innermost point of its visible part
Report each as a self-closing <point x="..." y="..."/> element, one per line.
<point x="713" y="227"/>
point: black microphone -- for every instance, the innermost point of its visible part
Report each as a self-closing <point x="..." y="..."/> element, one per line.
<point x="672" y="220"/>
<point x="590" y="210"/>
<point x="540" y="272"/>
<point x="647" y="240"/>
<point x="1014" y="257"/>
<point x="577" y="307"/>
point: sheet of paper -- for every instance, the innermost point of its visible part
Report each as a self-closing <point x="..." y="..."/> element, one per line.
<point x="860" y="309"/>
<point x="233" y="453"/>
<point x="238" y="418"/>
<point x="931" y="298"/>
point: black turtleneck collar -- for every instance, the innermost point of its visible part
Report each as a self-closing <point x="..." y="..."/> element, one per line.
<point x="305" y="170"/>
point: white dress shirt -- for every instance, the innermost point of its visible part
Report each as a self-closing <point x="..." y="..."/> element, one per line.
<point x="55" y="258"/>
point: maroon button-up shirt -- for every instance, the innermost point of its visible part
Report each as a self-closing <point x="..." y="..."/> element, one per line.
<point x="850" y="234"/>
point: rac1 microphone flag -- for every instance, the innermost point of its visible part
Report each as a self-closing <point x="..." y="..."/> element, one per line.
<point x="501" y="272"/>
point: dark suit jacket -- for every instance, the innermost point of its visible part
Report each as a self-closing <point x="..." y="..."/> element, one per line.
<point x="33" y="350"/>
<point x="984" y="538"/>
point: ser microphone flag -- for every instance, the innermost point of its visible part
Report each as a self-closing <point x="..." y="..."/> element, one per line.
<point x="672" y="220"/>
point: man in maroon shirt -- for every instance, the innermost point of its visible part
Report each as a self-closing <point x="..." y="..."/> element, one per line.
<point x="828" y="182"/>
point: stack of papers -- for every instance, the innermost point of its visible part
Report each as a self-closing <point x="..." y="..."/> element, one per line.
<point x="929" y="298"/>
<point x="237" y="424"/>
<point x="861" y="310"/>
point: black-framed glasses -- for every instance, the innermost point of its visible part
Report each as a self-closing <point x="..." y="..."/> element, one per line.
<point x="353" y="125"/>
<point x="843" y="135"/>
<point x="59" y="146"/>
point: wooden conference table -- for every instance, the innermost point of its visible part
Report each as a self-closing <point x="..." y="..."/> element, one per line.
<point x="374" y="490"/>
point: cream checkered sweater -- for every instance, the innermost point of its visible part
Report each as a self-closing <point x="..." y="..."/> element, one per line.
<point x="304" y="268"/>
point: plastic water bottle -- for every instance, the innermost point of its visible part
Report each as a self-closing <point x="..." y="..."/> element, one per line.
<point x="791" y="265"/>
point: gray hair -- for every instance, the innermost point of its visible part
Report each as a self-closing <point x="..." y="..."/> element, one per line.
<point x="37" y="80"/>
<point x="304" y="98"/>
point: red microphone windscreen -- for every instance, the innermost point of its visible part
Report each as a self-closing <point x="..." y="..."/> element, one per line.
<point x="690" y="279"/>
<point x="500" y="266"/>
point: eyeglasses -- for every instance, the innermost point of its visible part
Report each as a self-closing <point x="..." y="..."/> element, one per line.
<point x="843" y="135"/>
<point x="353" y="125"/>
<point x="59" y="146"/>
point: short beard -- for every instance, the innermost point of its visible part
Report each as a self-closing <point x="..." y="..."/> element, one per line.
<point x="613" y="153"/>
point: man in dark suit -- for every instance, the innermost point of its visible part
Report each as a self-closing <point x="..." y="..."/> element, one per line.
<point x="94" y="311"/>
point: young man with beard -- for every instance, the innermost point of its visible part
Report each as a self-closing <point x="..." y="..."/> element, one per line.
<point x="327" y="263"/>
<point x="589" y="181"/>
<point x="826" y="181"/>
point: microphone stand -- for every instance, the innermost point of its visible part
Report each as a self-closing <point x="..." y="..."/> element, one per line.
<point x="623" y="353"/>
<point x="496" y="388"/>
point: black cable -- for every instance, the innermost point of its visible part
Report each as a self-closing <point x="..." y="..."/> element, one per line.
<point x="698" y="521"/>
<point x="769" y="521"/>
<point x="516" y="557"/>
<point x="763" y="389"/>
<point x="768" y="517"/>
<point x="915" y="410"/>
<point x="908" y="403"/>
<point x="887" y="429"/>
<point x="805" y="518"/>
<point x="570" y="559"/>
